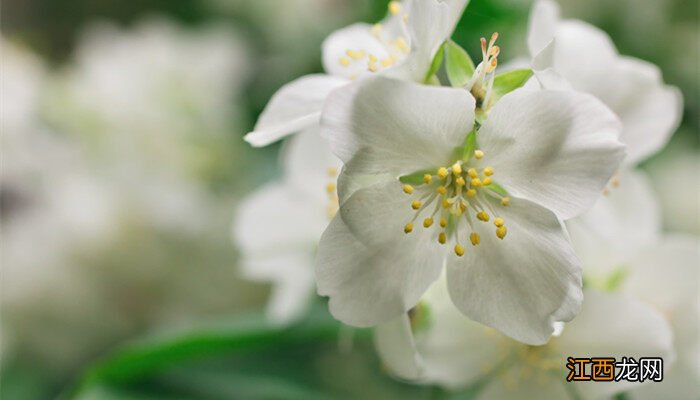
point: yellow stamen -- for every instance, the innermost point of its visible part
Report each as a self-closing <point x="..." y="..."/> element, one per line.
<point x="416" y="204"/>
<point x="457" y="169"/>
<point x="501" y="232"/>
<point x="460" y="181"/>
<point x="475" y="238"/>
<point x="394" y="7"/>
<point x="441" y="189"/>
<point x="332" y="171"/>
<point x="478" y="154"/>
<point x="408" y="189"/>
<point x="462" y="206"/>
<point x="442" y="172"/>
<point x="401" y="44"/>
<point x="488" y="171"/>
<point x="355" y="54"/>
<point x="387" y="62"/>
<point x="499" y="222"/>
<point x="443" y="222"/>
<point x="471" y="193"/>
<point x="427" y="178"/>
<point x="446" y="204"/>
<point x="483" y="216"/>
<point x="442" y="238"/>
<point x="476" y="182"/>
<point x="505" y="202"/>
<point x="487" y="181"/>
<point x="408" y="228"/>
<point x="344" y="61"/>
<point x="330" y="188"/>
<point x="427" y="223"/>
<point x="459" y="250"/>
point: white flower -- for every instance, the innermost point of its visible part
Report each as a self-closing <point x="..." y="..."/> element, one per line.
<point x="539" y="156"/>
<point x="587" y="59"/>
<point x="441" y="347"/>
<point x="622" y="249"/>
<point x="278" y="227"/>
<point x="403" y="46"/>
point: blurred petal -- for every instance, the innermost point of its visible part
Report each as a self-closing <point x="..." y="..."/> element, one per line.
<point x="295" y="107"/>
<point x="397" y="349"/>
<point x="354" y="38"/>
<point x="521" y="285"/>
<point x="544" y="19"/>
<point x="558" y="149"/>
<point x="385" y="125"/>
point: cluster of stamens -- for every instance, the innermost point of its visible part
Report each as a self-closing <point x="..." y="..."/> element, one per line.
<point x="614" y="183"/>
<point x="458" y="192"/>
<point x="481" y="84"/>
<point x="396" y="48"/>
<point x="331" y="191"/>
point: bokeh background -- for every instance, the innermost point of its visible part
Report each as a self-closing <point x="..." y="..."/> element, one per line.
<point x="123" y="162"/>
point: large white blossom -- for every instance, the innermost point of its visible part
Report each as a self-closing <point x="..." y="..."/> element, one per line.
<point x="587" y="60"/>
<point x="437" y="345"/>
<point x="277" y="228"/>
<point x="403" y="45"/>
<point x="540" y="156"/>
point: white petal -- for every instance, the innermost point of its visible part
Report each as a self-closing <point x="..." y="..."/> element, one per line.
<point x="556" y="148"/>
<point x="369" y="285"/>
<point x="544" y="19"/>
<point x="385" y="125"/>
<point x="615" y="325"/>
<point x="620" y="224"/>
<point x="310" y="165"/>
<point x="355" y="37"/>
<point x="295" y="107"/>
<point x="520" y="285"/>
<point x="508" y="386"/>
<point x="650" y="111"/>
<point x="397" y="349"/>
<point x="349" y="183"/>
<point x="275" y="217"/>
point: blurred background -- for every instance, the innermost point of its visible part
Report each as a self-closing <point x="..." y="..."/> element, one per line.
<point x="123" y="163"/>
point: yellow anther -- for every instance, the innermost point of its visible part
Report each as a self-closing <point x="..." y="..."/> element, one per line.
<point x="615" y="182"/>
<point x="499" y="222"/>
<point x="372" y="67"/>
<point x="476" y="182"/>
<point x="492" y="65"/>
<point x="408" y="228"/>
<point x="442" y="172"/>
<point x="442" y="238"/>
<point x="457" y="169"/>
<point x="505" y="202"/>
<point x="478" y="154"/>
<point x="488" y="171"/>
<point x="344" y="61"/>
<point x="441" y="189"/>
<point x="416" y="204"/>
<point x="387" y="62"/>
<point x="487" y="181"/>
<point x="471" y="193"/>
<point x="427" y="223"/>
<point x="483" y="216"/>
<point x="475" y="238"/>
<point x="495" y="51"/>
<point x="408" y="189"/>
<point x="332" y="171"/>
<point x="373" y="58"/>
<point x="355" y="54"/>
<point x="394" y="7"/>
<point x="446" y="204"/>
<point x="427" y="178"/>
<point x="405" y="18"/>
<point x="330" y="188"/>
<point x="472" y="173"/>
<point x="501" y="232"/>
<point x="401" y="44"/>
<point x="443" y="222"/>
<point x="460" y="181"/>
<point x="376" y="29"/>
<point x="462" y="206"/>
<point x="459" y="250"/>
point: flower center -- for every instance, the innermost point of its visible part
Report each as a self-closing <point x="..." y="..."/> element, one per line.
<point x="481" y="84"/>
<point x="454" y="194"/>
<point x="332" y="192"/>
<point x="395" y="46"/>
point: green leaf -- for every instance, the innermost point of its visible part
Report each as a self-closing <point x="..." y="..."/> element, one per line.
<point x="508" y="81"/>
<point x="435" y="66"/>
<point x="458" y="64"/>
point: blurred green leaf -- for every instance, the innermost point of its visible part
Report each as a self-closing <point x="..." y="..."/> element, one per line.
<point x="459" y="65"/>
<point x="508" y="81"/>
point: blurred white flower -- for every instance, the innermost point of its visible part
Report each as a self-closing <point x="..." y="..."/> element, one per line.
<point x="587" y="59"/>
<point x="622" y="249"/>
<point x="278" y="227"/>
<point x="437" y="345"/>
<point x="540" y="155"/>
<point x="156" y="104"/>
<point x="403" y="44"/>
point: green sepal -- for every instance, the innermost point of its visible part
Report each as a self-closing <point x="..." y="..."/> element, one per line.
<point x="458" y="64"/>
<point x="416" y="178"/>
<point x="508" y="81"/>
<point x="469" y="146"/>
<point x="434" y="67"/>
<point x="496" y="188"/>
